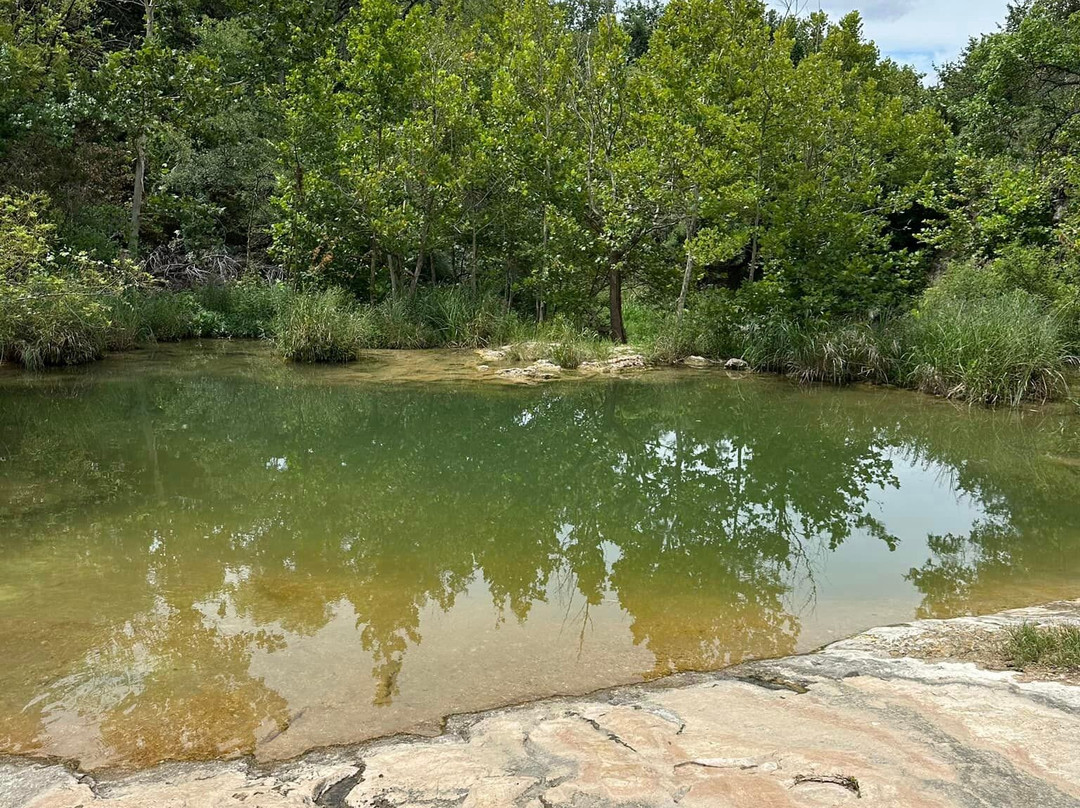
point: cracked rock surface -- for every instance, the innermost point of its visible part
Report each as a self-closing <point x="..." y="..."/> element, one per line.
<point x="858" y="723"/>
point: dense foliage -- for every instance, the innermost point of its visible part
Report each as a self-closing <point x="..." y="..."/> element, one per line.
<point x="694" y="173"/>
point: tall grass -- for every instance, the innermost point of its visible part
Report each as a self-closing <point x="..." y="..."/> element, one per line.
<point x="52" y="321"/>
<point x="459" y="318"/>
<point x="323" y="327"/>
<point x="443" y="317"/>
<point x="1003" y="350"/>
<point x="244" y="310"/>
<point x="713" y="326"/>
<point x="821" y="351"/>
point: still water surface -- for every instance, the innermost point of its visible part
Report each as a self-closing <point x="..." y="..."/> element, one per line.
<point x="205" y="553"/>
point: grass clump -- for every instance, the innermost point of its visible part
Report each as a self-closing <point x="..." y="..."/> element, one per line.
<point x="821" y="351"/>
<point x="459" y="318"/>
<point x="560" y="342"/>
<point x="394" y="324"/>
<point x="1003" y="350"/>
<point x="712" y="326"/>
<point x="322" y="327"/>
<point x="53" y="308"/>
<point x="1056" y="647"/>
<point x="246" y="309"/>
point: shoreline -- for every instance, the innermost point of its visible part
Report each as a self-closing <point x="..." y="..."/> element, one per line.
<point x="869" y="717"/>
<point x="431" y="365"/>
<point x="491" y="366"/>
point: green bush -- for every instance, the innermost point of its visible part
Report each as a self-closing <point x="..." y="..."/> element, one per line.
<point x="52" y="320"/>
<point x="394" y="324"/>
<point x="560" y="342"/>
<point x="167" y="316"/>
<point x="644" y="323"/>
<point x="53" y="304"/>
<point x="247" y="309"/>
<point x="322" y="327"/>
<point x="997" y="350"/>
<point x="461" y="319"/>
<point x="711" y="326"/>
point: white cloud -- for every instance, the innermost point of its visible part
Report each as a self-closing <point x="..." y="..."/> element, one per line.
<point x="919" y="32"/>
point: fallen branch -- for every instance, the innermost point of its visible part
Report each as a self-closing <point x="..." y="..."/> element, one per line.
<point x="850" y="783"/>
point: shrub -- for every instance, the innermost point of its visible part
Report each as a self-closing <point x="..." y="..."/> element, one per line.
<point x="569" y="355"/>
<point x="53" y="307"/>
<point x="52" y="320"/>
<point x="644" y="323"/>
<point x="560" y="342"/>
<point x="711" y="326"/>
<point x="997" y="350"/>
<point x="245" y="310"/>
<point x="322" y="327"/>
<point x="394" y="324"/>
<point x="672" y="344"/>
<point x="167" y="316"/>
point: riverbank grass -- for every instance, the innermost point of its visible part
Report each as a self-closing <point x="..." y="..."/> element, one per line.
<point x="324" y="327"/>
<point x="1057" y="648"/>
<point x="1002" y="350"/>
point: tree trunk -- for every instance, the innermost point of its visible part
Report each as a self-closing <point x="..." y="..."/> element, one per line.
<point x="618" y="330"/>
<point x="754" y="244"/>
<point x="374" y="266"/>
<point x="688" y="275"/>
<point x="509" y="284"/>
<point x="416" y="273"/>
<point x="140" y="151"/>
<point x="137" y="195"/>
<point x="472" y="262"/>
<point x="251" y="222"/>
<point x="685" y="287"/>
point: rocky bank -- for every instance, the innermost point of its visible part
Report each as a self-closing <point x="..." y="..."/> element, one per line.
<point x="888" y="718"/>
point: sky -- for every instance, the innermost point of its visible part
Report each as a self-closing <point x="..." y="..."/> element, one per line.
<point x="923" y="33"/>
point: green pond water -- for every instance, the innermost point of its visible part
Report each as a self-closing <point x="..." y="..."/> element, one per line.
<point x="206" y="553"/>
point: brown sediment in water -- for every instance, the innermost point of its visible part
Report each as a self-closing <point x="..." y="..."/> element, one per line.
<point x="858" y="723"/>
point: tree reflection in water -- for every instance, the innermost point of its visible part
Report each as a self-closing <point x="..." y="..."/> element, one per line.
<point x="184" y="554"/>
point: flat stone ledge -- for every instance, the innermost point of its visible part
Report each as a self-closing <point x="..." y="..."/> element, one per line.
<point x="862" y="722"/>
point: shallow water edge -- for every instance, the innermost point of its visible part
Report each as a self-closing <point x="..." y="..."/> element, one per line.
<point x="865" y="717"/>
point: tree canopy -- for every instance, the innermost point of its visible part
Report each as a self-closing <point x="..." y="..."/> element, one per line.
<point x="552" y="153"/>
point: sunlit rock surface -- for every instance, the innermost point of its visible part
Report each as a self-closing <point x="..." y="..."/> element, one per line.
<point x="857" y="723"/>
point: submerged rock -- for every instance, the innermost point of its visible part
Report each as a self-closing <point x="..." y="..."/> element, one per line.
<point x="737" y="364"/>
<point x="626" y="361"/>
<point x="697" y="362"/>
<point x="539" y="371"/>
<point x="863" y="722"/>
<point x="491" y="354"/>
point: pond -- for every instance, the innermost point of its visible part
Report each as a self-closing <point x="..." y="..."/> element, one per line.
<point x="205" y="553"/>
